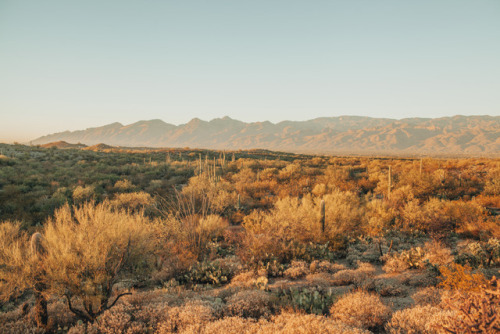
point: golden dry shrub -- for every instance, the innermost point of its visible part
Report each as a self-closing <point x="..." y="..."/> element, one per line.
<point x="294" y="219"/>
<point x="361" y="309"/>
<point x="91" y="248"/>
<point x="82" y="194"/>
<point x="20" y="326"/>
<point x="395" y="264"/>
<point x="325" y="267"/>
<point x="421" y="319"/>
<point x="428" y="296"/>
<point x="124" y="185"/>
<point x="300" y="323"/>
<point x="187" y="236"/>
<point x="16" y="263"/>
<point x="320" y="279"/>
<point x="191" y="317"/>
<point x="132" y="201"/>
<point x="231" y="325"/>
<point x="437" y="254"/>
<point x="380" y="216"/>
<point x="204" y="191"/>
<point x="354" y="276"/>
<point x="461" y="278"/>
<point x="440" y="216"/>
<point x="296" y="270"/>
<point x="115" y="321"/>
<point x="249" y="304"/>
<point x="249" y="279"/>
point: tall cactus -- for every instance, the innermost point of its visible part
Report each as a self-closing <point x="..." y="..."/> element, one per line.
<point x="323" y="216"/>
<point x="37" y="252"/>
<point x="389" y="182"/>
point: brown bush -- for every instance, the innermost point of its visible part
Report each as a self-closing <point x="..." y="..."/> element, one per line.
<point x="296" y="270"/>
<point x="427" y="296"/>
<point x="295" y="323"/>
<point x="421" y="319"/>
<point x="190" y="317"/>
<point x="250" y="304"/>
<point x="361" y="309"/>
<point x="354" y="276"/>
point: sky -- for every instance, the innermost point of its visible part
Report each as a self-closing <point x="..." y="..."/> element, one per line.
<point x="70" y="65"/>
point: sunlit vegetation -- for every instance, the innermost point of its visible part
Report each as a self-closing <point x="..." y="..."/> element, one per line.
<point x="117" y="240"/>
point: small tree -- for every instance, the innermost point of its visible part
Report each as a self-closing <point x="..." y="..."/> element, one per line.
<point x="87" y="250"/>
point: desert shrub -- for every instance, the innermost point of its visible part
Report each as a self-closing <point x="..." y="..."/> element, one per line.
<point x="461" y="278"/>
<point x="432" y="254"/>
<point x="231" y="325"/>
<point x="422" y="278"/>
<point x="387" y="286"/>
<point x="354" y="276"/>
<point x="479" y="253"/>
<point x="124" y="185"/>
<point x="296" y="270"/>
<point x="310" y="300"/>
<point x="82" y="194"/>
<point x="421" y="319"/>
<point x="427" y="296"/>
<point x="119" y="319"/>
<point x="84" y="252"/>
<point x="188" y="236"/>
<point x="217" y="197"/>
<point x="440" y="216"/>
<point x="315" y="251"/>
<point x="193" y="316"/>
<point x="133" y="201"/>
<point x="361" y="309"/>
<point x="325" y="267"/>
<point x="476" y="311"/>
<point x="250" y="304"/>
<point x="299" y="219"/>
<point x="20" y="326"/>
<point x="320" y="279"/>
<point x="380" y="216"/>
<point x="436" y="254"/>
<point x="295" y="323"/>
<point x="395" y="264"/>
<point x="208" y="273"/>
<point x="365" y="250"/>
<point x="89" y="248"/>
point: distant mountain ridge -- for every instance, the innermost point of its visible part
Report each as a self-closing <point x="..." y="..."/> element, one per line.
<point x="343" y="134"/>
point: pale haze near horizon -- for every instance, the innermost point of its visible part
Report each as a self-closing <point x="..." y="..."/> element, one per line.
<point x="70" y="65"/>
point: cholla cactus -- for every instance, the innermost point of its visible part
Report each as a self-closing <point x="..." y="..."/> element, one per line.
<point x="478" y="312"/>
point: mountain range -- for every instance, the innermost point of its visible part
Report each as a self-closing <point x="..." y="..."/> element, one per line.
<point x="477" y="135"/>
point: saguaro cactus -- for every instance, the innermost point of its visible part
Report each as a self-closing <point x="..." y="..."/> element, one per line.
<point x="323" y="216"/>
<point x="37" y="252"/>
<point x="389" y="183"/>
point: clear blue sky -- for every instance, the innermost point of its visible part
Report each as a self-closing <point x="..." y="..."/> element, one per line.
<point x="67" y="65"/>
